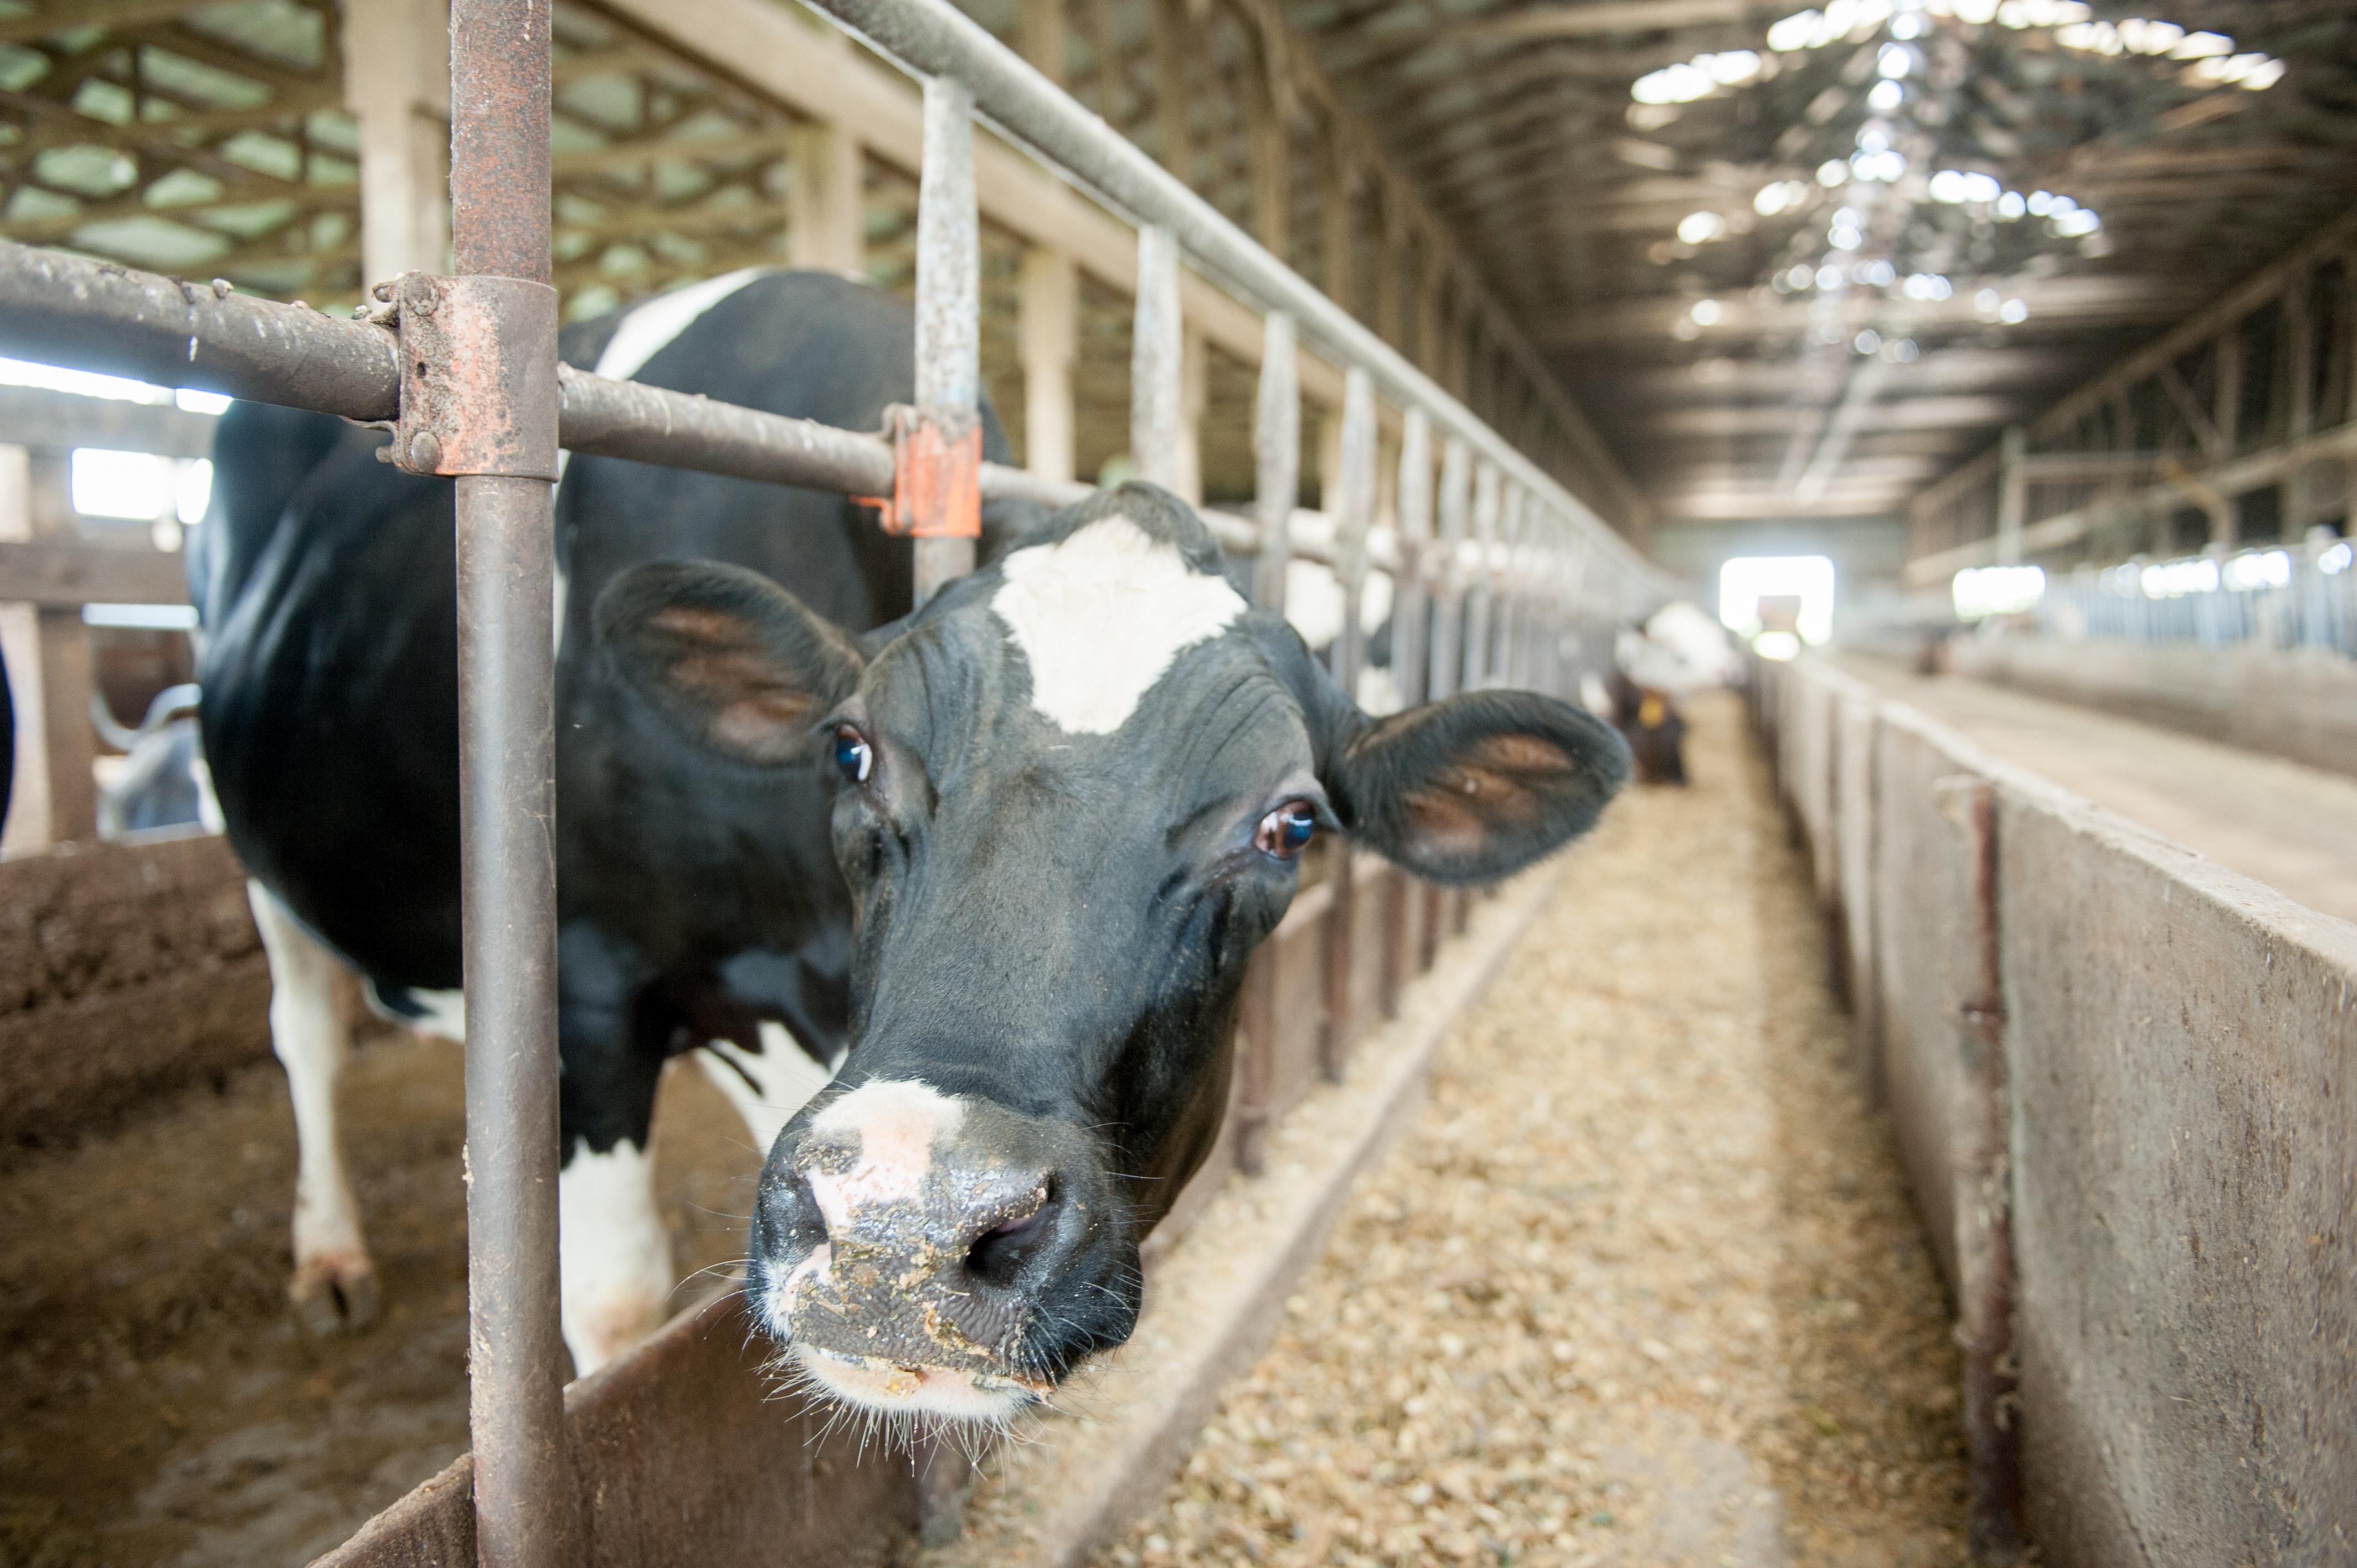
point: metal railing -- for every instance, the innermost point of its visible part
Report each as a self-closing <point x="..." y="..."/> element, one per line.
<point x="2278" y="597"/>
<point x="1516" y="561"/>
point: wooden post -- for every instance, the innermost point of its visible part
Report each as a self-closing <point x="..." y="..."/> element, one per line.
<point x="1272" y="173"/>
<point x="397" y="87"/>
<point x="27" y="827"/>
<point x="2013" y="494"/>
<point x="1391" y="271"/>
<point x="62" y="667"/>
<point x="1194" y="397"/>
<point x="826" y="201"/>
<point x="1341" y="223"/>
<point x="1047" y="324"/>
<point x="2299" y="369"/>
<point x="1044" y="39"/>
<point x="1431" y="345"/>
<point x="1097" y="17"/>
<point x="1173" y="104"/>
<point x="2225" y="515"/>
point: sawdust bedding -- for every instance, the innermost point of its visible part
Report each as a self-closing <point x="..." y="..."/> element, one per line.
<point x="1642" y="1286"/>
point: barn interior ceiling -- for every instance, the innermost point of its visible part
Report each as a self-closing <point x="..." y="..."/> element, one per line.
<point x="1797" y="262"/>
<point x="1790" y="262"/>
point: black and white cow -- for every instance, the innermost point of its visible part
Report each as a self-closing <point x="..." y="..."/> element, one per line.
<point x="993" y="870"/>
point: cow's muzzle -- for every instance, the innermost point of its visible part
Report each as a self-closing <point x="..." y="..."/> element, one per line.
<point x="908" y="1245"/>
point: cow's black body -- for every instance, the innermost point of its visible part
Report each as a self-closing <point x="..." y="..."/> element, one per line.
<point x="694" y="896"/>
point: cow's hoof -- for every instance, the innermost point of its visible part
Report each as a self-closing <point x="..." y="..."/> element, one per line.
<point x="333" y="1295"/>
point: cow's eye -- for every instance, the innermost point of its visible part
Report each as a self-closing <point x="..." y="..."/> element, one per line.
<point x="853" y="754"/>
<point x="1285" y="830"/>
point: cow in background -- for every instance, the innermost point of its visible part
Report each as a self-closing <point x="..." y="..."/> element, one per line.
<point x="1676" y="652"/>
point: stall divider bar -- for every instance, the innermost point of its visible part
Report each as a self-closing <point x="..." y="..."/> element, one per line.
<point x="499" y="445"/>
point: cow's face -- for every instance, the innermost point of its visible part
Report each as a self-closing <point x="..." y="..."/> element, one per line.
<point x="1074" y="797"/>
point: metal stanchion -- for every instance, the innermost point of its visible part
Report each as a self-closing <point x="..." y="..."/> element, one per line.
<point x="1350" y="524"/>
<point x="497" y="436"/>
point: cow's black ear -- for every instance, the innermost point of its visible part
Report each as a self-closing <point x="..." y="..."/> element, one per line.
<point x="1477" y="786"/>
<point x="741" y="664"/>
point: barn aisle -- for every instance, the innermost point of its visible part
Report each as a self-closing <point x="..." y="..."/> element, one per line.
<point x="1643" y="1286"/>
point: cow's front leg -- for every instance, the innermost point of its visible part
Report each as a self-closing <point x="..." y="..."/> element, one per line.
<point x="613" y="1252"/>
<point x="310" y="1029"/>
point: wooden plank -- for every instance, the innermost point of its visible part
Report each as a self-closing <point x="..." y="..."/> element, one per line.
<point x="56" y="421"/>
<point x="63" y="574"/>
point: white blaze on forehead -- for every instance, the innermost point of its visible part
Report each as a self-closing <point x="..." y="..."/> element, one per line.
<point x="1100" y="617"/>
<point x="899" y="1123"/>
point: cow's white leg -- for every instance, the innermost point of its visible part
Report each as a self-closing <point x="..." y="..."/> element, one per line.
<point x="765" y="1089"/>
<point x="310" y="1028"/>
<point x="612" y="1251"/>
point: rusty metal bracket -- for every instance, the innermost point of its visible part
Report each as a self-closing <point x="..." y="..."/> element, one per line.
<point x="936" y="472"/>
<point x="478" y="375"/>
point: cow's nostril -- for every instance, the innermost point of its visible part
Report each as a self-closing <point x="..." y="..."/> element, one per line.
<point x="792" y="1218"/>
<point x="999" y="1253"/>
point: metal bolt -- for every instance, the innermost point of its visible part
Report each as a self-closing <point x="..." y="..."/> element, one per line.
<point x="424" y="451"/>
<point x="421" y="297"/>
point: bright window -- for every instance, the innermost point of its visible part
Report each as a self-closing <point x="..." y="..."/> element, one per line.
<point x="140" y="485"/>
<point x="1747" y="579"/>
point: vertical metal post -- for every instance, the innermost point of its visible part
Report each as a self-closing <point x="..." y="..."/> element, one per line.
<point x="949" y="294"/>
<point x="1409" y="660"/>
<point x="1509" y="586"/>
<point x="1356" y="515"/>
<point x="1446" y="664"/>
<point x="1157" y="361"/>
<point x="1277" y="451"/>
<point x="507" y="752"/>
<point x="1488" y="496"/>
<point x="1276" y="454"/>
<point x="1448" y="661"/>
<point x="949" y="387"/>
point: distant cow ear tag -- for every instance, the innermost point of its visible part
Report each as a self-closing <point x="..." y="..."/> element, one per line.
<point x="936" y="472"/>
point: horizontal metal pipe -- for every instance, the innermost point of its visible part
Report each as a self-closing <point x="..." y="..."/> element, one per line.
<point x="95" y="315"/>
<point x="678" y="430"/>
<point x="933" y="39"/>
<point x="61" y="310"/>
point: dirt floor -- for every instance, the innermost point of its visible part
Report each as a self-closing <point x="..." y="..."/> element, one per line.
<point x="1644" y="1286"/>
<point x="2288" y="825"/>
<point x="161" y="1405"/>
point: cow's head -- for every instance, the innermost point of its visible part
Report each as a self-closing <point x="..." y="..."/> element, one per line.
<point x="1074" y="791"/>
